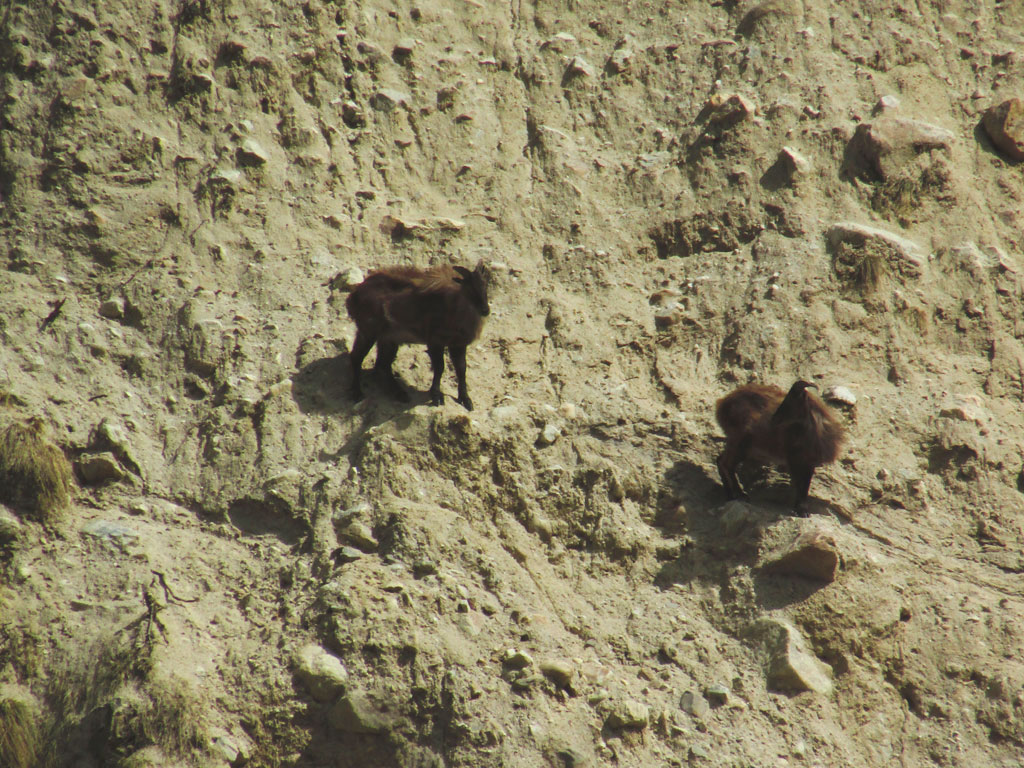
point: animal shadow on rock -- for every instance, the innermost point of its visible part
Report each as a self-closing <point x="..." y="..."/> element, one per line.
<point x="722" y="536"/>
<point x="324" y="386"/>
<point x="691" y="505"/>
<point x="271" y="517"/>
<point x="777" y="590"/>
<point x="346" y="741"/>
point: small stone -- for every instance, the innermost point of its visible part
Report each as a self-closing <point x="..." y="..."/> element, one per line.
<point x="371" y="51"/>
<point x="468" y="624"/>
<point x="226" y="176"/>
<point x="343" y="555"/>
<point x="96" y="468"/>
<point x="386" y="100"/>
<point x="1004" y="123"/>
<point x="559" y="671"/>
<point x="793" y="163"/>
<point x="727" y="111"/>
<point x="356" y="713"/>
<point x="574" y="758"/>
<point x="359" y="535"/>
<point x="694" y="704"/>
<point x="735" y="517"/>
<point x="517" y="659"/>
<point x="347" y="279"/>
<point x="489" y="605"/>
<point x="10" y="525"/>
<point x="887" y="103"/>
<point x="812" y="555"/>
<point x="550" y="434"/>
<point x="629" y="714"/>
<point x="666" y="317"/>
<point x="580" y="67"/>
<point x="841" y="395"/>
<point x="504" y="412"/>
<point x="112" y="308"/>
<point x="111" y="533"/>
<point x="424" y="567"/>
<point x="526" y="682"/>
<point x="223" y="744"/>
<point x="404" y="47"/>
<point x="561" y="42"/>
<point x="251" y="154"/>
<point x="717" y="695"/>
<point x="791" y="667"/>
<point x="321" y="672"/>
<point x="965" y="408"/>
<point x="620" y="60"/>
<point x="352" y="115"/>
<point x="567" y="410"/>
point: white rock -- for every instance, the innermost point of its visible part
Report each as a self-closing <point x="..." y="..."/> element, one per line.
<point x="580" y="66"/>
<point x="887" y="103"/>
<point x="387" y="99"/>
<point x="840" y="394"/>
<point x="251" y="153"/>
<point x="321" y="672"/>
<point x="796" y="162"/>
<point x="550" y="434"/>
<point x="112" y="308"/>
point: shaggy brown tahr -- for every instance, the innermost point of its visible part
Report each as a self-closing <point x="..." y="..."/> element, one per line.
<point x="442" y="307"/>
<point x="795" y="430"/>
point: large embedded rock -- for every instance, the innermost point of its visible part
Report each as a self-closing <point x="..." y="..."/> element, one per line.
<point x="1004" y="123"/>
<point x="880" y="148"/>
<point x="791" y="667"/>
<point x="812" y="555"/>
<point x="321" y="672"/>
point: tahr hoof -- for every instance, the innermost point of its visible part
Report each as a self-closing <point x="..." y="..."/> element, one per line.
<point x="465" y="402"/>
<point x="436" y="398"/>
<point x="356" y="395"/>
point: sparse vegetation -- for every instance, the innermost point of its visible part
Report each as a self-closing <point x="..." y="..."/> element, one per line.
<point x="19" y="734"/>
<point x="897" y="198"/>
<point x="35" y="476"/>
<point x="900" y="197"/>
<point x="145" y="708"/>
<point x="864" y="267"/>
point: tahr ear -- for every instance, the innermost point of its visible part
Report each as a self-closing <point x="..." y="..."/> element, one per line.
<point x="464" y="274"/>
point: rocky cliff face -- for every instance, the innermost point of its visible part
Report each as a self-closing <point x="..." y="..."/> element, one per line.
<point x="670" y="200"/>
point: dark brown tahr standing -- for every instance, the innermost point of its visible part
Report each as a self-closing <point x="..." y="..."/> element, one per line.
<point x="442" y="307"/>
<point x="795" y="430"/>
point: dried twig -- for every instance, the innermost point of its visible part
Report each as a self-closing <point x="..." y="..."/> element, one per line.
<point x="54" y="314"/>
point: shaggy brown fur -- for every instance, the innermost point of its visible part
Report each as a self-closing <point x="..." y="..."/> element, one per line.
<point x="795" y="430"/>
<point x="442" y="307"/>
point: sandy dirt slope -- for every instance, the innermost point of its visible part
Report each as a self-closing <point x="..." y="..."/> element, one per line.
<point x="671" y="200"/>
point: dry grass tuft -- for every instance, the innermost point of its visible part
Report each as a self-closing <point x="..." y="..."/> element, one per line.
<point x="19" y="734"/>
<point x="146" y="709"/>
<point x="35" y="476"/>
<point x="864" y="267"/>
